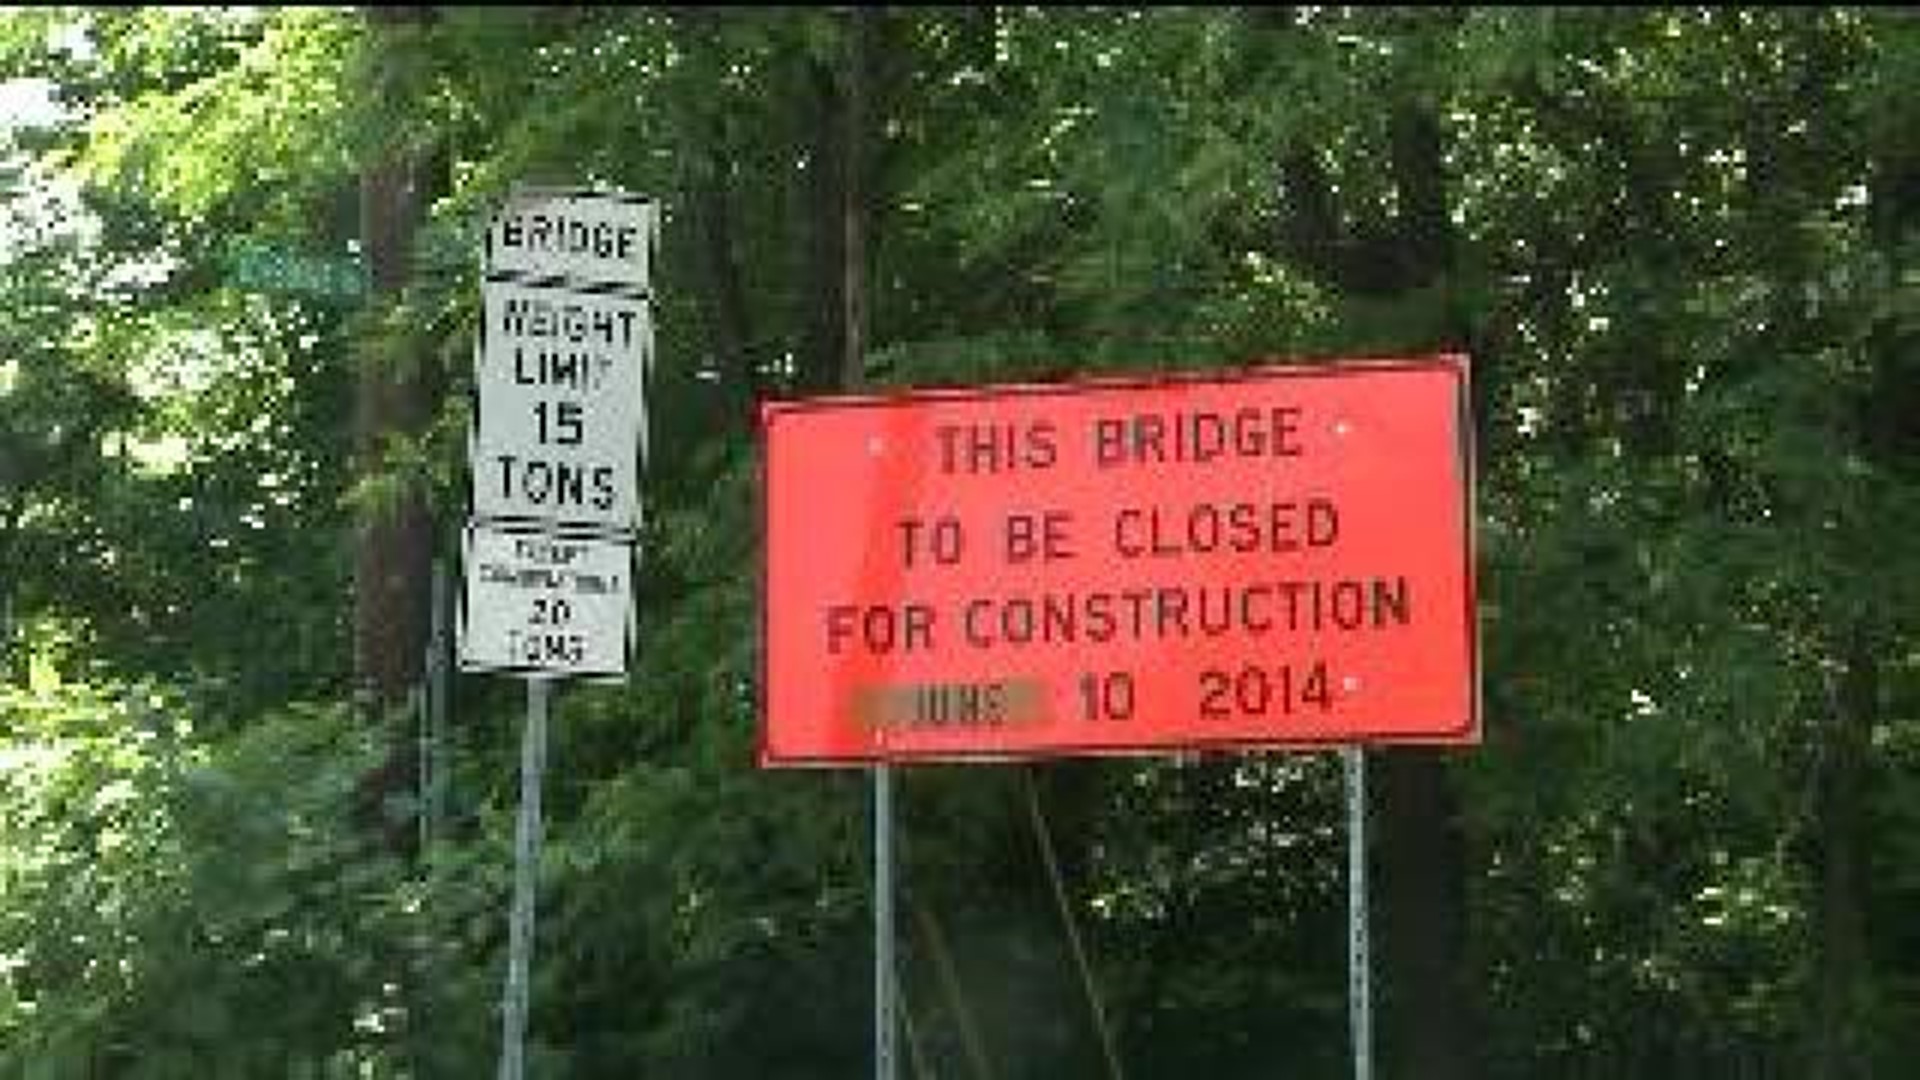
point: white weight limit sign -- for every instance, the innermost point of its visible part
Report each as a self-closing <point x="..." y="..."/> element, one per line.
<point x="561" y="422"/>
<point x="537" y="602"/>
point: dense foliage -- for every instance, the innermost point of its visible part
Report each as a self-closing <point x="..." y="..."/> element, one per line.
<point x="1681" y="245"/>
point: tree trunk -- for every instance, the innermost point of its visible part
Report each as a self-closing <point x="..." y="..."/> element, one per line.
<point x="853" y="184"/>
<point x="1424" y="921"/>
<point x="726" y="296"/>
<point x="7" y="637"/>
<point x="394" y="544"/>
<point x="12" y="667"/>
<point x="1430" y="1026"/>
<point x="1838" y="1050"/>
<point x="708" y="192"/>
<point x="1888" y="435"/>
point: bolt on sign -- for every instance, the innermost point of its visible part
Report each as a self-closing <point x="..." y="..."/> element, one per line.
<point x="559" y="434"/>
<point x="1278" y="556"/>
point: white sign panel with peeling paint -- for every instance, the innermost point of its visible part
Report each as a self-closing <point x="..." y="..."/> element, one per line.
<point x="560" y="427"/>
<point x="559" y="434"/>
<point x="539" y="602"/>
<point x="603" y="239"/>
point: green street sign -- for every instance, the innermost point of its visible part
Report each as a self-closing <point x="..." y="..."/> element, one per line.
<point x="265" y="270"/>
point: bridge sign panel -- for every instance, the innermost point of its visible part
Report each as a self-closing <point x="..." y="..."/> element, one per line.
<point x="1279" y="556"/>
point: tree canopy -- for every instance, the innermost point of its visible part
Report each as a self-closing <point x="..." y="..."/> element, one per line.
<point x="240" y="265"/>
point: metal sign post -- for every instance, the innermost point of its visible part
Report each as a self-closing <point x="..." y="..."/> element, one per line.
<point x="1359" y="991"/>
<point x="439" y="754"/>
<point x="883" y="968"/>
<point x="526" y="864"/>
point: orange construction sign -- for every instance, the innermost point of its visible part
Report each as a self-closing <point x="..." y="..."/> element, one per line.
<point x="1278" y="556"/>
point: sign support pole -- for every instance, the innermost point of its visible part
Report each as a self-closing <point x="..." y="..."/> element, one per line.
<point x="438" y="756"/>
<point x="883" y="969"/>
<point x="1359" y="1005"/>
<point x="526" y="860"/>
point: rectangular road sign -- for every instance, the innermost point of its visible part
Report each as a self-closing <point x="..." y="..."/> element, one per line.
<point x="539" y="601"/>
<point x="1273" y="557"/>
<point x="585" y="237"/>
<point x="560" y="424"/>
<point x="263" y="269"/>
